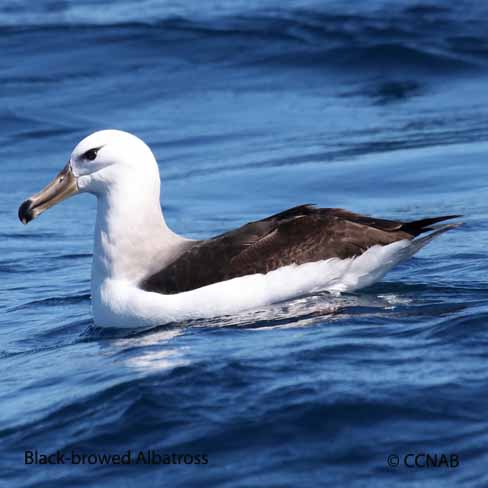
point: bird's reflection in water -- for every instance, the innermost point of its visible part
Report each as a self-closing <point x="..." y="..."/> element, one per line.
<point x="150" y="351"/>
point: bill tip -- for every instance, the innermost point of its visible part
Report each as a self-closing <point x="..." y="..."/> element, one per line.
<point x="25" y="212"/>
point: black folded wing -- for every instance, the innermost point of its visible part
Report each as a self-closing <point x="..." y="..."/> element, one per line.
<point x="296" y="236"/>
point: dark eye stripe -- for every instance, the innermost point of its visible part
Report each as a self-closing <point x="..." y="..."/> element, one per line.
<point x="91" y="154"/>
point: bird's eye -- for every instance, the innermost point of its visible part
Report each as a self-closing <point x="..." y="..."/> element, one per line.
<point x="91" y="154"/>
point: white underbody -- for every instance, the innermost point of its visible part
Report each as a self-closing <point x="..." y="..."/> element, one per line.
<point x="120" y="303"/>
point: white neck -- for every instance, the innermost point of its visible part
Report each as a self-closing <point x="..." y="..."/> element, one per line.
<point x="132" y="239"/>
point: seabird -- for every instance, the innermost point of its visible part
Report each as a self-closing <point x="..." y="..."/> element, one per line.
<point x="144" y="274"/>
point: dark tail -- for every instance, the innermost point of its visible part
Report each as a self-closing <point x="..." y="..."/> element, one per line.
<point x="418" y="227"/>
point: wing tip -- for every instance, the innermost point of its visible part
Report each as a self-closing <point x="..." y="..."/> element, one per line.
<point x="417" y="227"/>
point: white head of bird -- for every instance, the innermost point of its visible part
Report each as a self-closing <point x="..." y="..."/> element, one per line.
<point x="122" y="172"/>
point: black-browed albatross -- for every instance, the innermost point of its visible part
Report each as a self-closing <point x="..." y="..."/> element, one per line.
<point x="145" y="274"/>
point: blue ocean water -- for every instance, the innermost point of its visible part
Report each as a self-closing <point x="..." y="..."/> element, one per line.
<point x="250" y="107"/>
